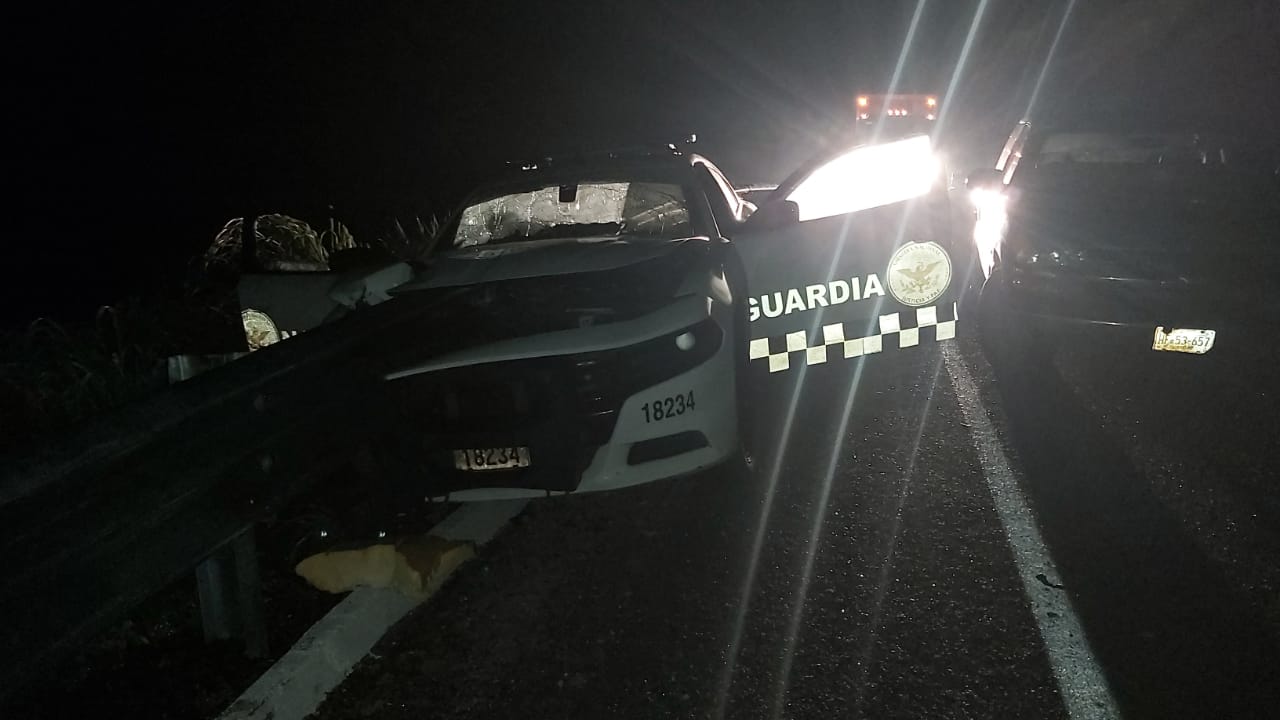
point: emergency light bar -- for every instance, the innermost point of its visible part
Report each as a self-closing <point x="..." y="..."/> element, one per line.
<point x="924" y="106"/>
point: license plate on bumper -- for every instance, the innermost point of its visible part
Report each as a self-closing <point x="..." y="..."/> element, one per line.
<point x="1185" y="340"/>
<point x="503" y="458"/>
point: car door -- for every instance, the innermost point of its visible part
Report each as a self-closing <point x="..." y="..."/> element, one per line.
<point x="850" y="263"/>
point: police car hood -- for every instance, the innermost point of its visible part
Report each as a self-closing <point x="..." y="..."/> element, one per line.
<point x="540" y="258"/>
<point x="474" y="297"/>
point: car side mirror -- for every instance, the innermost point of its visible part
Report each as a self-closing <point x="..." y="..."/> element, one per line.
<point x="776" y="214"/>
<point x="985" y="179"/>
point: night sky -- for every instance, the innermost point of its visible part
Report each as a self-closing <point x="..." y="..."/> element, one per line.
<point x="138" y="131"/>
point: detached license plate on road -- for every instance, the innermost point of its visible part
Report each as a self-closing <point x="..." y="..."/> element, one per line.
<point x="491" y="458"/>
<point x="1186" y="340"/>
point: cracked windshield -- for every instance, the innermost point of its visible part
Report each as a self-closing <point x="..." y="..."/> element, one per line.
<point x="577" y="210"/>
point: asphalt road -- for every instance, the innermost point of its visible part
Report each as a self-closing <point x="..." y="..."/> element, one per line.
<point x="1091" y="534"/>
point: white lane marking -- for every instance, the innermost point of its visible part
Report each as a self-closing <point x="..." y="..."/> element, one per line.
<point x="295" y="686"/>
<point x="478" y="522"/>
<point x="1080" y="680"/>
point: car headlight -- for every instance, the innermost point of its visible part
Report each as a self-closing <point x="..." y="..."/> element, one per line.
<point x="991" y="221"/>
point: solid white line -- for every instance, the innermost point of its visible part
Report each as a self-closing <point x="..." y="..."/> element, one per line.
<point x="1080" y="679"/>
<point x="296" y="685"/>
<point x="478" y="522"/>
<point x="322" y="658"/>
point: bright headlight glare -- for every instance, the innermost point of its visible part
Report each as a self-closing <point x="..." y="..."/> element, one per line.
<point x="868" y="177"/>
<point x="990" y="225"/>
<point x="986" y="200"/>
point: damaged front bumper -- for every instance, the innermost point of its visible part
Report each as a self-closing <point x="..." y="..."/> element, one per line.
<point x="575" y="399"/>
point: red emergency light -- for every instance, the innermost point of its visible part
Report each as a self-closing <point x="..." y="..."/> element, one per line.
<point x="897" y="105"/>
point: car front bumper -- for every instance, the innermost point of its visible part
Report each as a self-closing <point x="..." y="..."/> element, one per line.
<point x="1128" y="311"/>
<point x="580" y="413"/>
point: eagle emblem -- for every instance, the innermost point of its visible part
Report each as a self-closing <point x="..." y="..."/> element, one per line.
<point x="919" y="273"/>
<point x="918" y="276"/>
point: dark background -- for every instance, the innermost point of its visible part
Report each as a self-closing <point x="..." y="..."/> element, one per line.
<point x="138" y="131"/>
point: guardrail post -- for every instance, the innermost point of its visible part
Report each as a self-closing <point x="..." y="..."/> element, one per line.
<point x="228" y="582"/>
<point x="253" y="619"/>
<point x="230" y="588"/>
<point x="217" y="614"/>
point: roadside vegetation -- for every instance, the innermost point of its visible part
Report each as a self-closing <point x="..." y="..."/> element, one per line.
<point x="54" y="375"/>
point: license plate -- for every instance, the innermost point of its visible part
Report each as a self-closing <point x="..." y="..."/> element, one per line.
<point x="502" y="458"/>
<point x="1186" y="340"/>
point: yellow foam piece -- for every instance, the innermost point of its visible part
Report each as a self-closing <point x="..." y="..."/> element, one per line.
<point x="415" y="566"/>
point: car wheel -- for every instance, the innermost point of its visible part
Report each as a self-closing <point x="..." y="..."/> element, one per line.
<point x="745" y="458"/>
<point x="1005" y="338"/>
<point x="970" y="295"/>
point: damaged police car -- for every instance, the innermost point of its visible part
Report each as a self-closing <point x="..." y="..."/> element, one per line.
<point x="601" y="318"/>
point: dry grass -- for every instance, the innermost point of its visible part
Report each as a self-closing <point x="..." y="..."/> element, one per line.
<point x="280" y="238"/>
<point x="412" y="240"/>
<point x="54" y="375"/>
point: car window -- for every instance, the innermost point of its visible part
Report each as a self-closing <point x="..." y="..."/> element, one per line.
<point x="590" y="209"/>
<point x="1174" y="178"/>
<point x="865" y="177"/>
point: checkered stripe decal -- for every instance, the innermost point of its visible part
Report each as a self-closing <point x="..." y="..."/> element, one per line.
<point x="835" y="342"/>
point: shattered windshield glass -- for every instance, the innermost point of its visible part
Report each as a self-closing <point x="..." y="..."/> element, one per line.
<point x="595" y="209"/>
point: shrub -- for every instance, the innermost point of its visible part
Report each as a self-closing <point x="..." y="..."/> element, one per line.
<point x="281" y="240"/>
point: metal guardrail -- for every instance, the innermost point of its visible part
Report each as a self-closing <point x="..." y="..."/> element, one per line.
<point x="99" y="520"/>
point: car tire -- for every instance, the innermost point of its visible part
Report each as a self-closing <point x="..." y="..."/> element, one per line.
<point x="970" y="294"/>
<point x="1008" y="342"/>
<point x="745" y="458"/>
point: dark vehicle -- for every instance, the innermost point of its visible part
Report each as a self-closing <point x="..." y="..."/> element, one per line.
<point x="1160" y="241"/>
<point x="590" y="323"/>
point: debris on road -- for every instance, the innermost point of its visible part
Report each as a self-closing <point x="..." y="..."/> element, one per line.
<point x="414" y="566"/>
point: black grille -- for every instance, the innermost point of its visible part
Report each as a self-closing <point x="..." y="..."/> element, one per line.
<point x="563" y="408"/>
<point x="500" y="396"/>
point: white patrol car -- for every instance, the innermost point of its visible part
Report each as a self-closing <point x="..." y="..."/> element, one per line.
<point x="593" y="323"/>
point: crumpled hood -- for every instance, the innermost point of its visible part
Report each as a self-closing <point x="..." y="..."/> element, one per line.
<point x="481" y="296"/>
<point x="538" y="258"/>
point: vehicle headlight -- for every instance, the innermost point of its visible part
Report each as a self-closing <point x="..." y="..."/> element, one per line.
<point x="988" y="201"/>
<point x="259" y="330"/>
<point x="991" y="221"/>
